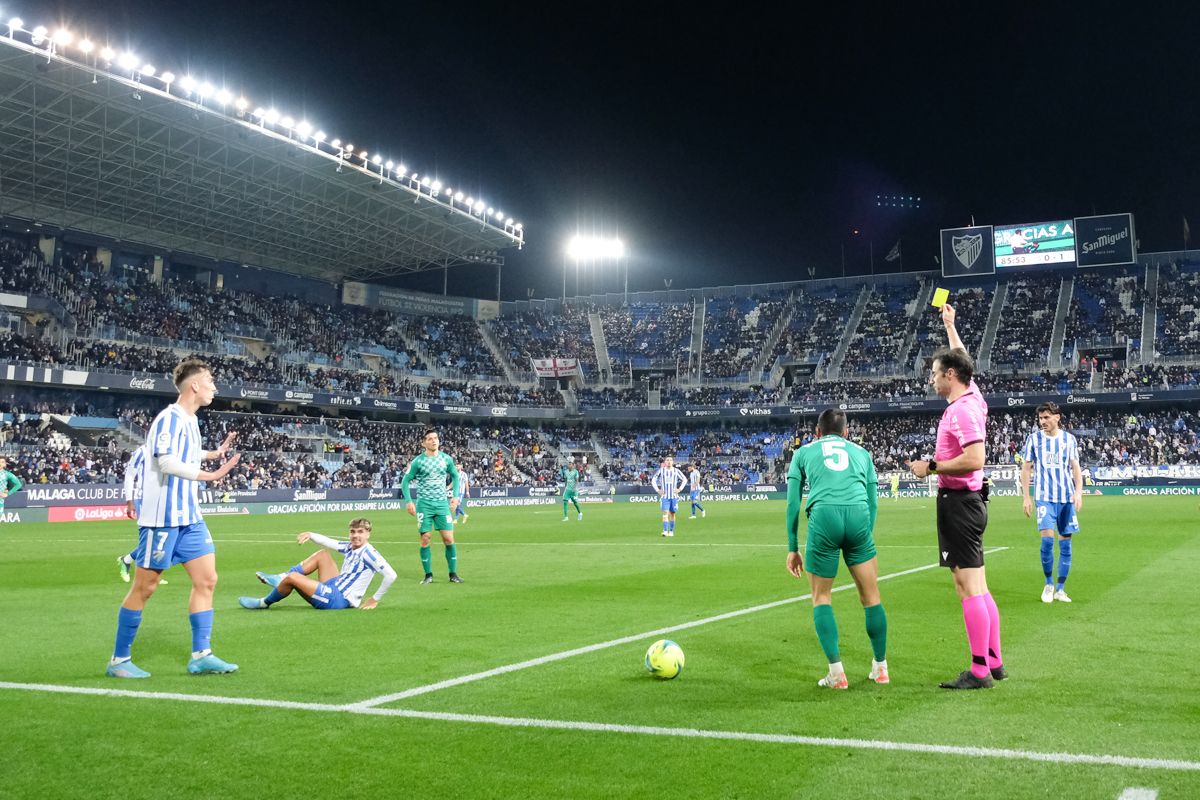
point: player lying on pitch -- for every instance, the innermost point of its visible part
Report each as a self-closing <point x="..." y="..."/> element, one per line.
<point x="335" y="589"/>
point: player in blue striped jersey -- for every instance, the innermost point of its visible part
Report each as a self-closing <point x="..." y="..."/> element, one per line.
<point x="1054" y="453"/>
<point x="133" y="502"/>
<point x="695" y="489"/>
<point x="334" y="589"/>
<point x="171" y="529"/>
<point x="669" y="481"/>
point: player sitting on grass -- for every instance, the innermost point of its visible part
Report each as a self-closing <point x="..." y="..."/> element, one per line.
<point x="335" y="589"/>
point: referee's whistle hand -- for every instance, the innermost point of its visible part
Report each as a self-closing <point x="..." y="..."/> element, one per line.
<point x="918" y="468"/>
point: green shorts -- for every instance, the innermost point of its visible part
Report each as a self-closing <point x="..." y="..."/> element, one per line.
<point x="435" y="519"/>
<point x="834" y="530"/>
<point x="570" y="494"/>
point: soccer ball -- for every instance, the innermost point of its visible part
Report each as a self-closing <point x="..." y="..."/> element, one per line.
<point x="664" y="659"/>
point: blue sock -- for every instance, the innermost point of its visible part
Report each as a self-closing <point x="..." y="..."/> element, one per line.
<point x="127" y="627"/>
<point x="665" y="528"/>
<point x="1048" y="558"/>
<point x="202" y="622"/>
<point x="273" y="597"/>
<point x="672" y="524"/>
<point x="298" y="568"/>
<point x="1064" y="561"/>
<point x="700" y="507"/>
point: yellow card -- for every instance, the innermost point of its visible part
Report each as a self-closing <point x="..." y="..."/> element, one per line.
<point x="940" y="296"/>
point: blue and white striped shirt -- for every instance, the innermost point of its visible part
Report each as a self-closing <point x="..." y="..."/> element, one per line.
<point x="358" y="569"/>
<point x="669" y="481"/>
<point x="133" y="474"/>
<point x="169" y="501"/>
<point x="1052" y="457"/>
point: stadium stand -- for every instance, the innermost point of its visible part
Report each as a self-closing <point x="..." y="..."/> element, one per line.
<point x="880" y="341"/>
<point x="734" y="331"/>
<point x="1178" y="328"/>
<point x="1026" y="323"/>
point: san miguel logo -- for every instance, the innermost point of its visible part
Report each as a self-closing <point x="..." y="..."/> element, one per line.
<point x="967" y="249"/>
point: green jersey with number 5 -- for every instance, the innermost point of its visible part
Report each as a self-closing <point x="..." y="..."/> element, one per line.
<point x="838" y="472"/>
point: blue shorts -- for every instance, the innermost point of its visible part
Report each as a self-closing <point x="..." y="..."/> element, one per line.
<point x="328" y="596"/>
<point x="670" y="504"/>
<point x="159" y="548"/>
<point x="695" y="496"/>
<point x="1058" y="517"/>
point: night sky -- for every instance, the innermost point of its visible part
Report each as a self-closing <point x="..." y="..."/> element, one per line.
<point x="722" y="145"/>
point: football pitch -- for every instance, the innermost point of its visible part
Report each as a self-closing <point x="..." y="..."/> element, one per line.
<point x="527" y="679"/>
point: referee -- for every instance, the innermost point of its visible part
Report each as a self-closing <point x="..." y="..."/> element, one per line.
<point x="962" y="505"/>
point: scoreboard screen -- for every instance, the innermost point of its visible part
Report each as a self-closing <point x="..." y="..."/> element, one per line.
<point x="1036" y="244"/>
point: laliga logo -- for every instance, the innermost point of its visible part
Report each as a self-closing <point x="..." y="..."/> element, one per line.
<point x="141" y="383"/>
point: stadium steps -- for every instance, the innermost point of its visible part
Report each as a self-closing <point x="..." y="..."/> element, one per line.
<point x="602" y="455"/>
<point x="570" y="401"/>
<point x="839" y="355"/>
<point x="768" y="346"/>
<point x="485" y="333"/>
<point x="1149" y="316"/>
<point x="993" y="324"/>
<point x="924" y="297"/>
<point x="600" y="345"/>
<point x="697" y="347"/>
<point x="1060" y="321"/>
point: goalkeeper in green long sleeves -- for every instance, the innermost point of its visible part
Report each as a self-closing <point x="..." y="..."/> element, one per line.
<point x="842" y="501"/>
<point x="570" y="479"/>
<point x="9" y="483"/>
<point x="431" y="469"/>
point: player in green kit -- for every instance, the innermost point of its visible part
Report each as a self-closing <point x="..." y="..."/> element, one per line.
<point x="842" y="499"/>
<point x="431" y="470"/>
<point x="570" y="477"/>
<point x="9" y="483"/>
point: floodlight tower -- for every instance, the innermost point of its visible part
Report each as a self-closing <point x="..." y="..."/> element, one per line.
<point x="590" y="249"/>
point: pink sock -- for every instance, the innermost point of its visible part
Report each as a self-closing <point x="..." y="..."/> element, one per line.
<point x="975" y="615"/>
<point x="994" y="657"/>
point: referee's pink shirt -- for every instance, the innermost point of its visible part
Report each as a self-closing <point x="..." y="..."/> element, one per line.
<point x="963" y="422"/>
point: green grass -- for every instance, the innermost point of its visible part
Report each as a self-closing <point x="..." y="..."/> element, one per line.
<point x="1109" y="674"/>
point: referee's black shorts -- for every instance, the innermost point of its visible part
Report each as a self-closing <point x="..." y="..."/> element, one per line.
<point x="961" y="520"/>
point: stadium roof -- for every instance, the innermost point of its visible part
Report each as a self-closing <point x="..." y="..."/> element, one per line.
<point x="122" y="156"/>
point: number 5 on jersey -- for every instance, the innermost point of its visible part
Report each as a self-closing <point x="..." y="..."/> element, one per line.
<point x="836" y="457"/>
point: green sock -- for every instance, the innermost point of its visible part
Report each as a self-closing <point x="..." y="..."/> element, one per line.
<point x="827" y="632"/>
<point x="452" y="557"/>
<point x="564" y="506"/>
<point x="877" y="630"/>
<point x="427" y="560"/>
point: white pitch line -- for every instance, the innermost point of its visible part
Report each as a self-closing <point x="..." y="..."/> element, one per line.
<point x="591" y="648"/>
<point x="1138" y="793"/>
<point x="235" y="540"/>
<point x="647" y="730"/>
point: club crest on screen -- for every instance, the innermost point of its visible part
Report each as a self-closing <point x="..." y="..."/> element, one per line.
<point x="967" y="249"/>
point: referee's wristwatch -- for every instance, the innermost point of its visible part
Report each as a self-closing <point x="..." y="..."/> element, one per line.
<point x="932" y="466"/>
